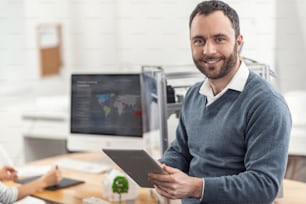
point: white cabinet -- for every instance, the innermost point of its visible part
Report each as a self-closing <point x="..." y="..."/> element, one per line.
<point x="44" y="134"/>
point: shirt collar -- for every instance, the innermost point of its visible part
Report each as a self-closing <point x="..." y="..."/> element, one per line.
<point x="237" y="83"/>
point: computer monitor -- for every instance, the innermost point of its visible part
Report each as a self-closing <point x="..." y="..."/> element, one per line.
<point x="106" y="112"/>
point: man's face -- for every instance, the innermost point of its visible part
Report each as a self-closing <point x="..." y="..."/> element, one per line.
<point x="213" y="44"/>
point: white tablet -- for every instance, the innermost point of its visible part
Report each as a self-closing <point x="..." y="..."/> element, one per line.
<point x="135" y="163"/>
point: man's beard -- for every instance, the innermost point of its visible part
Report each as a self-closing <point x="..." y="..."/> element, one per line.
<point x="228" y="65"/>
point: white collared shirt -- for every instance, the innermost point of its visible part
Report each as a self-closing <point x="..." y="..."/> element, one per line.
<point x="237" y="83"/>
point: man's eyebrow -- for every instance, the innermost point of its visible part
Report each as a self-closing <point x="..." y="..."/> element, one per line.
<point x="213" y="36"/>
<point x="219" y="35"/>
<point x="197" y="37"/>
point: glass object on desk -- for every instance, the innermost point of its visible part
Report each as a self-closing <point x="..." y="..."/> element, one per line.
<point x="120" y="185"/>
<point x="107" y="191"/>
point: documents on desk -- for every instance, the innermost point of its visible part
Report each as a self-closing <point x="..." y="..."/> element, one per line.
<point x="93" y="200"/>
<point x="31" y="200"/>
<point x="73" y="164"/>
<point x="87" y="167"/>
<point x="29" y="171"/>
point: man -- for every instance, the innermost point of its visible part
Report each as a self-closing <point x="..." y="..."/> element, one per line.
<point x="12" y="194"/>
<point x="232" y="138"/>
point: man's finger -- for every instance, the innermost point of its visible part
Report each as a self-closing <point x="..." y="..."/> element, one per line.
<point x="169" y="169"/>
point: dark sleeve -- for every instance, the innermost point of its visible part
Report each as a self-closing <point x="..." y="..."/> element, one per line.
<point x="177" y="155"/>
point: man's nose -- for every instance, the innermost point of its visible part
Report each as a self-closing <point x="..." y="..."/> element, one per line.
<point x="209" y="48"/>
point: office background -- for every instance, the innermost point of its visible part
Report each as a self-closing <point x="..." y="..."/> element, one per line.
<point x="108" y="35"/>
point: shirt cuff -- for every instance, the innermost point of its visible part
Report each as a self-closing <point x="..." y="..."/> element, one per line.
<point x="203" y="185"/>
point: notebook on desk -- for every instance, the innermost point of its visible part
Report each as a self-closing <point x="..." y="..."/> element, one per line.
<point x="64" y="183"/>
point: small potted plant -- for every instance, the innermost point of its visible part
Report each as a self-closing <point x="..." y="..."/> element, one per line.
<point x="120" y="185"/>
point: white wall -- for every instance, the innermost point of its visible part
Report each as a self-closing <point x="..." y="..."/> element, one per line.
<point x="12" y="41"/>
<point x="290" y="49"/>
<point x="257" y="23"/>
<point x="103" y="34"/>
<point x="154" y="32"/>
<point x="157" y="33"/>
<point x="100" y="34"/>
<point x="109" y="35"/>
<point x="12" y="59"/>
<point x="38" y="12"/>
<point x="93" y="35"/>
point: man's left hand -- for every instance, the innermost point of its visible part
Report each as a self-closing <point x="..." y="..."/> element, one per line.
<point x="175" y="184"/>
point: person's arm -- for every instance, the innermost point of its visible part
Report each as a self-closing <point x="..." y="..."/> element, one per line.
<point x="53" y="177"/>
<point x="8" y="194"/>
<point x="175" y="183"/>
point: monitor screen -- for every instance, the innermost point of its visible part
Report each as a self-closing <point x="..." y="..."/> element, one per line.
<point x="106" y="111"/>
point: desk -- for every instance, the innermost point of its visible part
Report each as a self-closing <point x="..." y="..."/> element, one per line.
<point x="91" y="187"/>
<point x="297" y="153"/>
<point x="294" y="191"/>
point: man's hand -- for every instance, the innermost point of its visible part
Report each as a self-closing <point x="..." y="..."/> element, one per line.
<point x="175" y="184"/>
<point x="8" y="173"/>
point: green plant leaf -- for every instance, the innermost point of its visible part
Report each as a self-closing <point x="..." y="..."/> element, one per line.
<point x="120" y="184"/>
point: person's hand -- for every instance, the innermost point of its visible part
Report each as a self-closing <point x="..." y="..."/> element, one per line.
<point x="52" y="177"/>
<point x="175" y="184"/>
<point x="8" y="173"/>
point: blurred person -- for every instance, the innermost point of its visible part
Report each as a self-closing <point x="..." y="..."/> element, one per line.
<point x="12" y="194"/>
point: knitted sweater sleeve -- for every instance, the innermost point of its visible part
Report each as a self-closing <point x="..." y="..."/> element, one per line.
<point x="8" y="194"/>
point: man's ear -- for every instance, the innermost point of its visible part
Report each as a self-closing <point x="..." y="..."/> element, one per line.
<point x="239" y="42"/>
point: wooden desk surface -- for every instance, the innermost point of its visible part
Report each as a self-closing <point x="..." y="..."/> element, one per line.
<point x="91" y="187"/>
<point x="294" y="191"/>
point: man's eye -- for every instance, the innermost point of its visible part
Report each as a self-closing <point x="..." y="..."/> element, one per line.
<point x="198" y="42"/>
<point x="219" y="40"/>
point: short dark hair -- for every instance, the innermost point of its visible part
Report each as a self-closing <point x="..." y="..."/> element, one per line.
<point x="208" y="7"/>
